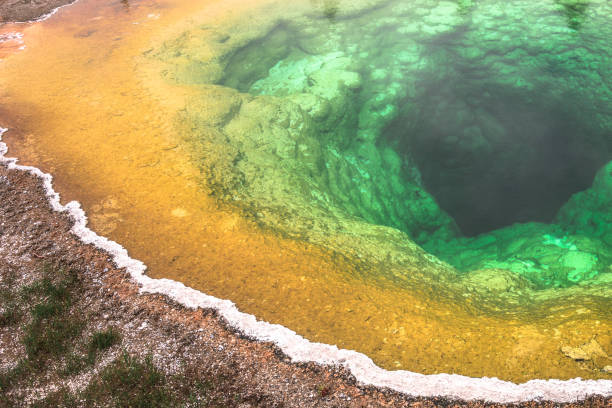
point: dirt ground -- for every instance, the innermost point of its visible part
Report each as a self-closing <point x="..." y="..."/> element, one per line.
<point x="26" y="10"/>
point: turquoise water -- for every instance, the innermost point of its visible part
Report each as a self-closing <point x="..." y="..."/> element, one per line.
<point x="477" y="127"/>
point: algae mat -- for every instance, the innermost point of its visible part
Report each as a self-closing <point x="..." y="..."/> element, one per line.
<point x="314" y="162"/>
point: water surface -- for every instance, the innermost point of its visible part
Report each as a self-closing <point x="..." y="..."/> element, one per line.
<point x="427" y="182"/>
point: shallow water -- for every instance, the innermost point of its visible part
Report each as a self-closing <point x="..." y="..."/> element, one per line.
<point x="291" y="158"/>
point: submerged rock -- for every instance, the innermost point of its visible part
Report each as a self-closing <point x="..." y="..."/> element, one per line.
<point x="590" y="212"/>
<point x="587" y="351"/>
<point x="496" y="281"/>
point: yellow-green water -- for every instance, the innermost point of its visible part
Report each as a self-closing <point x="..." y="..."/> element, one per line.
<point x="262" y="152"/>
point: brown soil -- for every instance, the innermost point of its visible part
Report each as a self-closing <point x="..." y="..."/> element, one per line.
<point x="27" y="10"/>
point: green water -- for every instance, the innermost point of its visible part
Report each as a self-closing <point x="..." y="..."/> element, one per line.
<point x="482" y="129"/>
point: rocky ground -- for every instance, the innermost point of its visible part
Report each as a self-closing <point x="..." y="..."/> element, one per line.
<point x="26" y="10"/>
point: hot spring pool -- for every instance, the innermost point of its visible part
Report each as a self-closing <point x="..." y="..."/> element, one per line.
<point x="427" y="182"/>
<point x="477" y="129"/>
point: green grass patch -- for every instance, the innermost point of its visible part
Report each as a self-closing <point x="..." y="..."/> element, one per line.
<point x="73" y="364"/>
<point x="10" y="315"/>
<point x="55" y="285"/>
<point x="101" y="340"/>
<point x="8" y="378"/>
<point x="131" y="382"/>
<point x="50" y="330"/>
<point x="50" y="339"/>
<point x="52" y="326"/>
<point x="61" y="398"/>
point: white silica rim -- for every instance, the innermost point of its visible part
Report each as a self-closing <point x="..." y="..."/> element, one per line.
<point x="51" y="13"/>
<point x="300" y="349"/>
